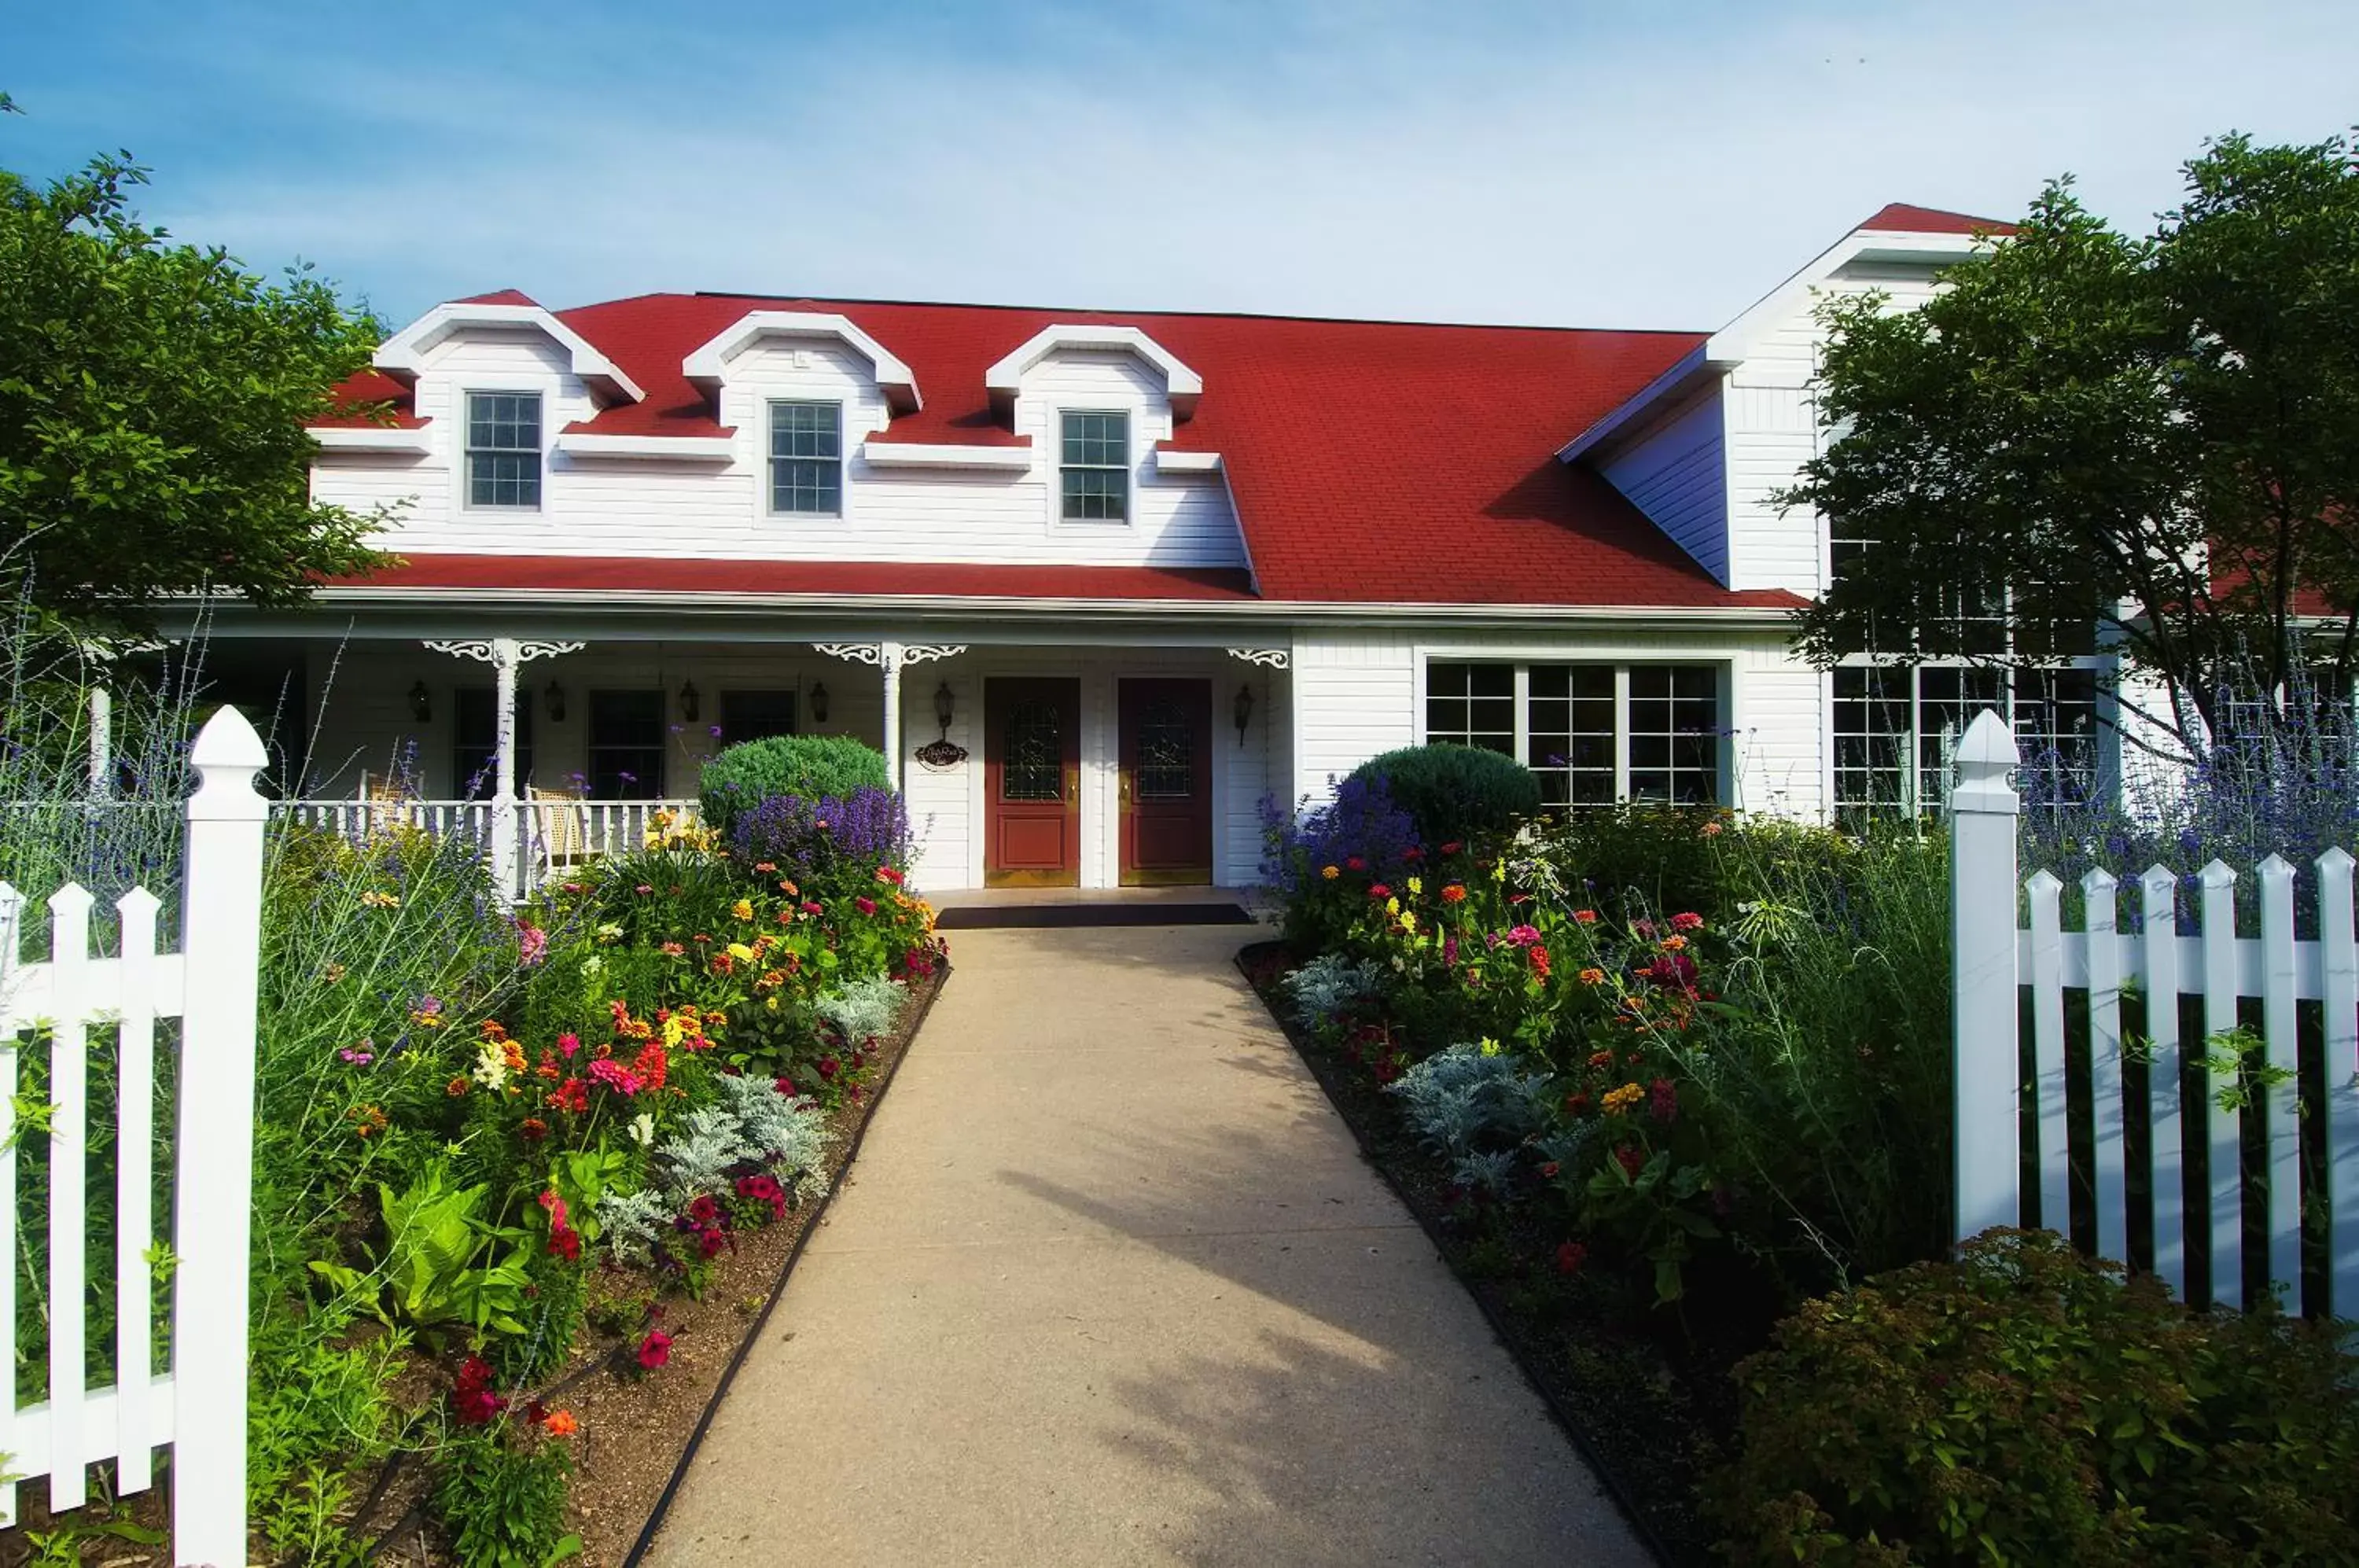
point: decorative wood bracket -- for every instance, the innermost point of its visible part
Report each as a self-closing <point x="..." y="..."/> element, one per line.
<point x="486" y="650"/>
<point x="874" y="653"/>
<point x="1270" y="658"/>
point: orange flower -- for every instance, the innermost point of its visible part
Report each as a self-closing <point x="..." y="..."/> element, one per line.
<point x="1593" y="977"/>
<point x="456" y="1087"/>
<point x="563" y="1424"/>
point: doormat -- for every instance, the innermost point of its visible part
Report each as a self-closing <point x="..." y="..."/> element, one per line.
<point x="1037" y="917"/>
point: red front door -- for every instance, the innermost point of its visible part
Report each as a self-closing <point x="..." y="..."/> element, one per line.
<point x="1167" y="781"/>
<point x="1032" y="765"/>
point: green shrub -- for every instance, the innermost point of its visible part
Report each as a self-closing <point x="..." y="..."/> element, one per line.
<point x="504" y="1505"/>
<point x="2024" y="1405"/>
<point x="743" y="776"/>
<point x="1455" y="791"/>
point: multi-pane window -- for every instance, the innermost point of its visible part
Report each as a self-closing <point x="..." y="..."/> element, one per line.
<point x="504" y="449"/>
<point x="1674" y="728"/>
<point x="1594" y="733"/>
<point x="626" y="746"/>
<point x="755" y="715"/>
<point x="806" y="458"/>
<point x="1472" y="705"/>
<point x="1095" y="468"/>
<point x="1570" y="734"/>
<point x="1896" y="729"/>
<point x="474" y="741"/>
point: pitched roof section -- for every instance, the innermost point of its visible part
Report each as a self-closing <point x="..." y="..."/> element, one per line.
<point x="1899" y="217"/>
<point x="669" y="574"/>
<point x="1371" y="462"/>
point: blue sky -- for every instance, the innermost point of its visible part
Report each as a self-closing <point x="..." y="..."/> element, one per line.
<point x="1634" y="164"/>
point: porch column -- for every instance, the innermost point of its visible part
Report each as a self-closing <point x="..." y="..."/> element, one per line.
<point x="505" y="655"/>
<point x="891" y="657"/>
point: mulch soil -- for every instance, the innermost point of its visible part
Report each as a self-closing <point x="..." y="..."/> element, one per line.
<point x="1648" y="1412"/>
<point x="638" y="1434"/>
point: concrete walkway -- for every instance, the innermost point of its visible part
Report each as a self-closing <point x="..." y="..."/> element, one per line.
<point x="1110" y="1285"/>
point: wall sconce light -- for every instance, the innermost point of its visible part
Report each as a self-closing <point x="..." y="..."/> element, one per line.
<point x="819" y="702"/>
<point x="1243" y="711"/>
<point x="553" y="699"/>
<point x="945" y="708"/>
<point x="421" y="704"/>
<point x="691" y="701"/>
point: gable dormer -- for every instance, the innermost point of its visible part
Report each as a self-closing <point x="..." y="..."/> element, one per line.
<point x="1704" y="448"/>
<point x="509" y="317"/>
<point x="1006" y="381"/>
<point x="797" y="332"/>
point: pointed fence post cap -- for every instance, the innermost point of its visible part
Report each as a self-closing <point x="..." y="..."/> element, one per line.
<point x="1986" y="756"/>
<point x="2218" y="874"/>
<point x="2336" y="858"/>
<point x="2274" y="868"/>
<point x="227" y="756"/>
<point x="2043" y="883"/>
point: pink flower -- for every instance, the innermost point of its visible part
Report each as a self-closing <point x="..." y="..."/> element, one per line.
<point x="1524" y="936"/>
<point x="1355" y="864"/>
<point x="1378" y="891"/>
<point x="812" y="909"/>
<point x="532" y="944"/>
<point x="1663" y="1100"/>
<point x="866" y="906"/>
<point x="615" y="1076"/>
<point x="568" y="1043"/>
<point x="655" y="1350"/>
<point x="785" y="1086"/>
<point x="1687" y="921"/>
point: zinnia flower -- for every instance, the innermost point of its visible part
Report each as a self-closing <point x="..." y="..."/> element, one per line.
<point x="1585" y="917"/>
<point x="563" y="1424"/>
<point x="1378" y="891"/>
<point x="1523" y="936"/>
<point x="1330" y="872"/>
<point x="866" y="906"/>
<point x="1687" y="921"/>
<point x="1452" y="847"/>
<point x="1454" y="894"/>
<point x="743" y="909"/>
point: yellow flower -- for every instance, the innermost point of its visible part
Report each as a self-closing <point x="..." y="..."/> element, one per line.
<point x="739" y="951"/>
<point x="1408" y="922"/>
<point x="1620" y="1100"/>
<point x="1330" y="872"/>
<point x="376" y="901"/>
<point x="1490" y="1046"/>
<point x="1593" y="977"/>
<point x="1392" y="906"/>
<point x="1416" y="886"/>
<point x="743" y="909"/>
<point x="1499" y="872"/>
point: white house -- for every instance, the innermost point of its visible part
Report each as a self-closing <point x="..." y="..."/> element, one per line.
<point x="1100" y="582"/>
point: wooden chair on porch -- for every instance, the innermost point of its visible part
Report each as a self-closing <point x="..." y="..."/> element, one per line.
<point x="560" y="828"/>
<point x="386" y="802"/>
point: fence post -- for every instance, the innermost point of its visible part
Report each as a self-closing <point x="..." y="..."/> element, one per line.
<point x="221" y="937"/>
<point x="1987" y="1139"/>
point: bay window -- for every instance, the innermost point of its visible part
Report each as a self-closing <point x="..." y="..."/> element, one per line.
<point x="1594" y="733"/>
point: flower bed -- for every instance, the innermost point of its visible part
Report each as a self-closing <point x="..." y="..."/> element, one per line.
<point x="524" y="1177"/>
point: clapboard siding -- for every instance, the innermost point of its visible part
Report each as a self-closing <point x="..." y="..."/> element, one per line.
<point x="1354" y="697"/>
<point x="1777" y="714"/>
<point x="1773" y="429"/>
<point x="1677" y="475"/>
<point x="611" y="507"/>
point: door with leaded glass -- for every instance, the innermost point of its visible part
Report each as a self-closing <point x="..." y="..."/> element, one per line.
<point x="1167" y="781"/>
<point x="1032" y="767"/>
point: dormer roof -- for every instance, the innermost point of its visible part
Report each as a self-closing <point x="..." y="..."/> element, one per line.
<point x="1005" y="379"/>
<point x="707" y="366"/>
<point x="403" y="355"/>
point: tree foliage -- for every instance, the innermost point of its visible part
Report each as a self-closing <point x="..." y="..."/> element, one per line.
<point x="2088" y="438"/>
<point x="153" y="400"/>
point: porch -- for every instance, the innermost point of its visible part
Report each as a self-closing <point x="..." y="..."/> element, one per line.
<point x="1079" y="760"/>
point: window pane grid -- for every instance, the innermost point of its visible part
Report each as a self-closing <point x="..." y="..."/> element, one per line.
<point x="1095" y="467"/>
<point x="1569" y="733"/>
<point x="806" y="458"/>
<point x="1577" y="730"/>
<point x="1472" y="705"/>
<point x="504" y="449"/>
<point x="1675" y="734"/>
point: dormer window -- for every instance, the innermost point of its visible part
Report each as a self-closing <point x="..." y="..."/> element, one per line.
<point x="503" y="449"/>
<point x="806" y="458"/>
<point x="1095" y="467"/>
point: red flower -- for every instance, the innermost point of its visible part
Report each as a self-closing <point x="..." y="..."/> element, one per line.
<point x="655" y="1350"/>
<point x="1454" y="894"/>
<point x="1538" y="955"/>
<point x="1569" y="1257"/>
<point x="471" y="1400"/>
<point x="785" y="1086"/>
<point x="864" y="904"/>
<point x="1355" y="863"/>
<point x="650" y="1066"/>
<point x="1688" y="922"/>
<point x="813" y="909"/>
<point x="828" y="1067"/>
<point x="1586" y="917"/>
<point x="886" y="874"/>
<point x="1663" y="1100"/>
<point x="533" y="1129"/>
<point x="1552" y="1171"/>
<point x="703" y="1210"/>
<point x="572" y="1095"/>
<point x="1378" y="891"/>
<point x="1632" y="1159"/>
<point x="1412" y="855"/>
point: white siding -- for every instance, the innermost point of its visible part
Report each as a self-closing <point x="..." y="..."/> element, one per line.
<point x="1779" y="712"/>
<point x="1354" y="698"/>
<point x="1773" y="429"/>
<point x="1677" y="475"/>
<point x="708" y="510"/>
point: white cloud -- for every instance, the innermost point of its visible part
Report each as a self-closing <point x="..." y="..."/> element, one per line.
<point x="1576" y="166"/>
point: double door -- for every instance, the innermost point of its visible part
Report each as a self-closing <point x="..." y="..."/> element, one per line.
<point x="1032" y="772"/>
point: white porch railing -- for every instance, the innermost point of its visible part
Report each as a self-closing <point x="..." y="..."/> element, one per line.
<point x="550" y="835"/>
<point x="1995" y="958"/>
<point x="197" y="1405"/>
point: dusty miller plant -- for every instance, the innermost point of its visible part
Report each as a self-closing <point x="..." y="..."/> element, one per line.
<point x="1329" y="985"/>
<point x="863" y="1010"/>
<point x="1473" y="1107"/>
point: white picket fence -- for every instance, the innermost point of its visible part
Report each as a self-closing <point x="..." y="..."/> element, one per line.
<point x="526" y="842"/>
<point x="196" y="1405"/>
<point x="1995" y="956"/>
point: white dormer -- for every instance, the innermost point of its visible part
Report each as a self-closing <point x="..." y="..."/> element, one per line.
<point x="708" y="368"/>
<point x="1004" y="380"/>
<point x="409" y="353"/>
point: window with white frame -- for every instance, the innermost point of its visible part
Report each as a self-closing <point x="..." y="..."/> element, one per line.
<point x="1896" y="729"/>
<point x="806" y="458"/>
<point x="1094" y="467"/>
<point x="503" y="449"/>
<point x="1594" y="733"/>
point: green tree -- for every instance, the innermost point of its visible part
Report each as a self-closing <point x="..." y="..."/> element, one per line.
<point x="153" y="400"/>
<point x="2091" y="439"/>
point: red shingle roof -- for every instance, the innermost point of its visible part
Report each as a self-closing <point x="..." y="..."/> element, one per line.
<point x="1371" y="461"/>
<point x="1899" y="217"/>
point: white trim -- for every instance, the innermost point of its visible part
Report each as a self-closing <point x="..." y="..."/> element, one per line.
<point x="707" y="365"/>
<point x="1693" y="362"/>
<point x="1180" y="384"/>
<point x="548" y="389"/>
<point x="683" y="449"/>
<point x="408" y="440"/>
<point x="403" y="355"/>
<point x="1169" y="461"/>
<point x="919" y="455"/>
<point x="766" y="489"/>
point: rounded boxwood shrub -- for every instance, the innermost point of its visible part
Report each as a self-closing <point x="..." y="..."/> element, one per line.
<point x="1454" y="792"/>
<point x="810" y="767"/>
<point x="2024" y="1404"/>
